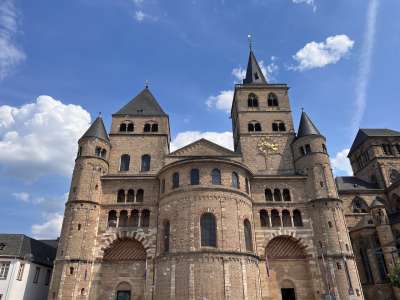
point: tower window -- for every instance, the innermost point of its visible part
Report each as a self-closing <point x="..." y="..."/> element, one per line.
<point x="247" y="235"/>
<point x="257" y="127"/>
<point x="175" y="180"/>
<point x="277" y="195"/>
<point x="235" y="180"/>
<point x="297" y="220"/>
<point x="268" y="195"/>
<point x="250" y="127"/>
<point x="154" y="127"/>
<point x="131" y="196"/>
<point x="324" y="148"/>
<point x="139" y="195"/>
<point x="194" y="177"/>
<point x="387" y="149"/>
<point x="147" y="127"/>
<point x="286" y="195"/>
<point x="302" y="151"/>
<point x="282" y="126"/>
<point x="308" y="148"/>
<point x="216" y="177"/>
<point x="121" y="196"/>
<point x="275" y="127"/>
<point x="286" y="218"/>
<point x="264" y="222"/>
<point x="275" y="219"/>
<point x="252" y="100"/>
<point x="256" y="77"/>
<point x="254" y="126"/>
<point x="145" y="218"/>
<point x="122" y="127"/>
<point x="167" y="230"/>
<point x="208" y="230"/>
<point x="80" y="151"/>
<point x="146" y="163"/>
<point x="125" y="160"/>
<point x="130" y="127"/>
<point x="272" y="99"/>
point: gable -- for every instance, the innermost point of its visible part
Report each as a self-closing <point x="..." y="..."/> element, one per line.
<point x="203" y="147"/>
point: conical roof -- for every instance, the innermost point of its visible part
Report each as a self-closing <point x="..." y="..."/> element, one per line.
<point x="144" y="104"/>
<point x="254" y="74"/>
<point x="97" y="130"/>
<point x="307" y="127"/>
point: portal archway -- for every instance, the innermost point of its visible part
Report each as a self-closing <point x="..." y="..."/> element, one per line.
<point x="288" y="271"/>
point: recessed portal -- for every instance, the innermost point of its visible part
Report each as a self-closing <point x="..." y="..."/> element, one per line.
<point x="125" y="295"/>
<point x="288" y="294"/>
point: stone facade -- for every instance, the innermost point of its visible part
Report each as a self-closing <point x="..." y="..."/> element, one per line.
<point x="262" y="222"/>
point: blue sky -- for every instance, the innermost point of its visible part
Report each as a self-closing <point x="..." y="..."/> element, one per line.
<point x="62" y="62"/>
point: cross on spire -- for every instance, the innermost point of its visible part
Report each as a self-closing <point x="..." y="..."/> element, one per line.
<point x="249" y="38"/>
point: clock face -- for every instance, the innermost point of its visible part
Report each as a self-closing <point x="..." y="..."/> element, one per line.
<point x="266" y="146"/>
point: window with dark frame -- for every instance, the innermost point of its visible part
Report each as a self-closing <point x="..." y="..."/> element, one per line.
<point x="216" y="176"/>
<point x="194" y="177"/>
<point x="175" y="180"/>
<point x="37" y="274"/>
<point x="208" y="230"/>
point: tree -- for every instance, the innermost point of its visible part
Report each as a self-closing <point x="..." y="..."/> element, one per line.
<point x="394" y="275"/>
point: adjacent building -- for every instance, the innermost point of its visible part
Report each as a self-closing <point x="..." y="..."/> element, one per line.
<point x="25" y="267"/>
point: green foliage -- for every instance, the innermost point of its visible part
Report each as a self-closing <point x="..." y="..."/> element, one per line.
<point x="394" y="275"/>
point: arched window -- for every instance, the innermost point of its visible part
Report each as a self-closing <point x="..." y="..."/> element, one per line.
<point x="216" y="176"/>
<point x="235" y="180"/>
<point x="268" y="195"/>
<point x="147" y="127"/>
<point x="80" y="149"/>
<point x="145" y="218"/>
<point x="154" y="127"/>
<point x="82" y="292"/>
<point x="139" y="195"/>
<point x="286" y="218"/>
<point x="194" y="177"/>
<point x="359" y="205"/>
<point x="308" y="148"/>
<point x="250" y="127"/>
<point x="134" y="218"/>
<point x="130" y="127"/>
<point x="275" y="219"/>
<point x="365" y="263"/>
<point x="131" y="196"/>
<point x="272" y="99"/>
<point x="103" y="153"/>
<point x="277" y="195"/>
<point x="297" y="220"/>
<point x="175" y="180"/>
<point x="71" y="270"/>
<point x="257" y="127"/>
<point x="125" y="161"/>
<point x="252" y="100"/>
<point x="248" y="239"/>
<point x="97" y="151"/>
<point x="275" y="126"/>
<point x="146" y="163"/>
<point x="286" y="195"/>
<point x="208" y="230"/>
<point x="324" y="148"/>
<point x="282" y="126"/>
<point x="123" y="219"/>
<point x="122" y="127"/>
<point x="264" y="218"/>
<point x="112" y="218"/>
<point x="121" y="196"/>
<point x="166" y="236"/>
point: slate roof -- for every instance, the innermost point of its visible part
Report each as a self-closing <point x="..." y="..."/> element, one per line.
<point x="222" y="150"/>
<point x="306" y="126"/>
<point x="97" y="130"/>
<point x="144" y="104"/>
<point x="24" y="247"/>
<point x="365" y="133"/>
<point x="254" y="74"/>
<point x="351" y="183"/>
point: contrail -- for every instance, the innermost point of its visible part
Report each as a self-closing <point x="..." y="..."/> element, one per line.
<point x="365" y="64"/>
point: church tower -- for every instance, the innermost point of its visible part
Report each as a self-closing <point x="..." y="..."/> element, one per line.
<point x="262" y="122"/>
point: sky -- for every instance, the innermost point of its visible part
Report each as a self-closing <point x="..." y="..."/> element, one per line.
<point x="63" y="62"/>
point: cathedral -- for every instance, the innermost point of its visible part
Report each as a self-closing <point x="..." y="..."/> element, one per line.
<point x="266" y="221"/>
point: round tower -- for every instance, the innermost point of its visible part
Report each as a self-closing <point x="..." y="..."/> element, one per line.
<point x="331" y="238"/>
<point x="75" y="255"/>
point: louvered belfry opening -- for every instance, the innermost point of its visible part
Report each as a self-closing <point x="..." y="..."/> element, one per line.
<point x="125" y="249"/>
<point x="285" y="247"/>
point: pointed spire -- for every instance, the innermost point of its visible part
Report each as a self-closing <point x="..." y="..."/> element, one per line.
<point x="144" y="104"/>
<point x="97" y="130"/>
<point x="307" y="127"/>
<point x="254" y="74"/>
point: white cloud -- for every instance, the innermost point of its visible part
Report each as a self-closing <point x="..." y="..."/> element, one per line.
<point x="222" y="101"/>
<point x="308" y="2"/>
<point x="40" y="138"/>
<point x="223" y="139"/>
<point x="22" y="196"/>
<point x="365" y="63"/>
<point x="239" y="73"/>
<point x="10" y="54"/>
<point x="341" y="164"/>
<point x="139" y="15"/>
<point x="318" y="55"/>
<point x="49" y="229"/>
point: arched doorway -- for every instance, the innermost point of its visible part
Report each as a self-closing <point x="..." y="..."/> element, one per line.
<point x="289" y="276"/>
<point x="122" y="274"/>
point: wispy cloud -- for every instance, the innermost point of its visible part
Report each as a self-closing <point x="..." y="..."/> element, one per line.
<point x="10" y="54"/>
<point x="365" y="63"/>
<point x="308" y="2"/>
<point x="341" y="164"/>
<point x="22" y="196"/>
<point x="269" y="70"/>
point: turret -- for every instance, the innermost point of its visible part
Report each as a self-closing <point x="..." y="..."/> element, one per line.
<point x="81" y="217"/>
<point x="331" y="238"/>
